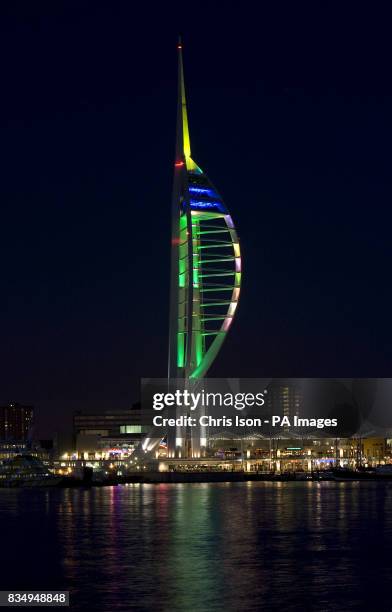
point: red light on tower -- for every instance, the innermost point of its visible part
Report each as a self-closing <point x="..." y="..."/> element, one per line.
<point x="179" y="164"/>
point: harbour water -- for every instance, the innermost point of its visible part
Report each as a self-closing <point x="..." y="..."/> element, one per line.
<point x="203" y="547"/>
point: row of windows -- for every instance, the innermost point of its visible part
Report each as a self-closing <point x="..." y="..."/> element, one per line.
<point x="131" y="429"/>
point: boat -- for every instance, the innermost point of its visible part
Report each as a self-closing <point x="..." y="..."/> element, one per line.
<point x="26" y="471"/>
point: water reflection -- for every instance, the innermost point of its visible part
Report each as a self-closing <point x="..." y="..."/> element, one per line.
<point x="242" y="546"/>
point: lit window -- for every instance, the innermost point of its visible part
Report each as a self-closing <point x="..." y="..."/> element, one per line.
<point x="130" y="429"/>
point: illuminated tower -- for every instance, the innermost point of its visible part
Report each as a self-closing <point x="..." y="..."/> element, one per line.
<point x="205" y="264"/>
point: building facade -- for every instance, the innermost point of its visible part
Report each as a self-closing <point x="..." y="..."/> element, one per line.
<point x="16" y="422"/>
<point x="112" y="432"/>
<point x="284" y="398"/>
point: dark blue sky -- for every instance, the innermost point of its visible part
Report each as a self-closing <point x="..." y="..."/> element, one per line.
<point x="290" y="114"/>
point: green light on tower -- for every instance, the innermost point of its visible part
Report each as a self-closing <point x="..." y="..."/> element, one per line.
<point x="205" y="263"/>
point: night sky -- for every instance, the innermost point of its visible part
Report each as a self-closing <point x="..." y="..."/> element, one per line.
<point x="290" y="115"/>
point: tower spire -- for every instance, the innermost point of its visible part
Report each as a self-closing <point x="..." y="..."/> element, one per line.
<point x="183" y="143"/>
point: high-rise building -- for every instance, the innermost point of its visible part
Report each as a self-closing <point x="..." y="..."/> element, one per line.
<point x="284" y="398"/>
<point x="205" y="269"/>
<point x="16" y="422"/>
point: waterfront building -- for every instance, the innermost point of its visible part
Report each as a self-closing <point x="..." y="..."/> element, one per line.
<point x="112" y="432"/>
<point x="374" y="450"/>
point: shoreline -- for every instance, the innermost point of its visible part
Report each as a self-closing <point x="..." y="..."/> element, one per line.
<point x="202" y="477"/>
